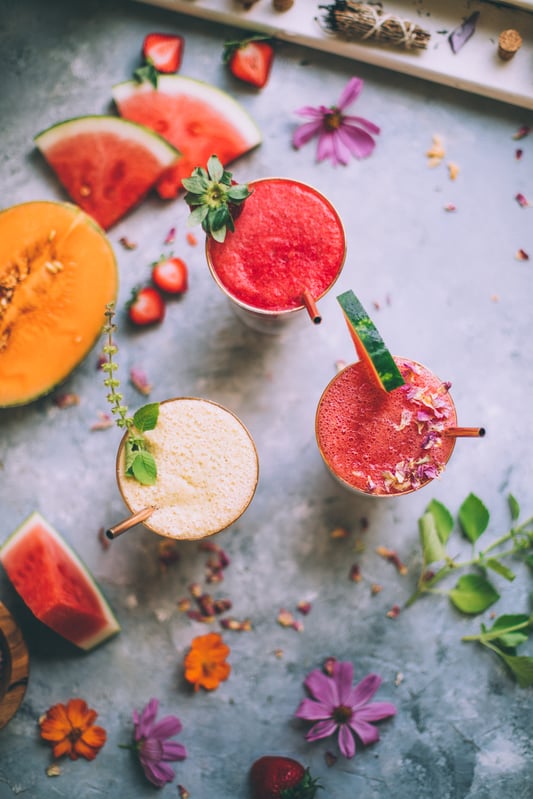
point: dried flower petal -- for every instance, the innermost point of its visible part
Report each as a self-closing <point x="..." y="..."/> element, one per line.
<point x="355" y="573"/>
<point x="328" y="665"/>
<point x="171" y="236"/>
<point x="522" y="255"/>
<point x="66" y="400"/>
<point x="522" y="132"/>
<point x="140" y="381"/>
<point x="436" y="152"/>
<point x="394" y="612"/>
<point x="184" y="604"/>
<point x="339" y="532"/>
<point x="191" y="239"/>
<point x="304" y="607"/>
<point x="183" y="792"/>
<point x="518" y="153"/>
<point x="376" y="588"/>
<point x="392" y="556"/>
<point x="105" y="421"/>
<point x="330" y="759"/>
<point x="127" y="244"/>
<point x="453" y="170"/>
<point x="285" y="618"/>
<point x="53" y="770"/>
<point x="522" y="201"/>
<point x="450" y="207"/>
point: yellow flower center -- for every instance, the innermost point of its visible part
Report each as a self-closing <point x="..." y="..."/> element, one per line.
<point x="342" y="714"/>
<point x="333" y="119"/>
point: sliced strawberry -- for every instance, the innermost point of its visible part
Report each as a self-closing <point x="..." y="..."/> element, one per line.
<point x="163" y="51"/>
<point x="250" y="60"/>
<point x="146" y="306"/>
<point x="170" y="275"/>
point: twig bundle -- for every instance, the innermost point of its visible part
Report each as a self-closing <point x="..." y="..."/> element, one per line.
<point x="354" y="20"/>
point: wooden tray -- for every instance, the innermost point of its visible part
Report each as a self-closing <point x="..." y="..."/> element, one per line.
<point x="14" y="666"/>
<point x="475" y="68"/>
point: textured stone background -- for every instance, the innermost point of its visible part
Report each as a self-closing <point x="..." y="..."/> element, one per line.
<point x="450" y="294"/>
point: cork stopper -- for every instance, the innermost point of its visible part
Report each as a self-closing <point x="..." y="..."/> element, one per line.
<point x="282" y="5"/>
<point x="509" y="42"/>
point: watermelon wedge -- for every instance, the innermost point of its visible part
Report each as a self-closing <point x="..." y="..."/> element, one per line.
<point x="55" y="585"/>
<point x="106" y="164"/>
<point x="199" y="119"/>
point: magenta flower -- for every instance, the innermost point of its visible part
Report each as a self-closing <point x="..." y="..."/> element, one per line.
<point x="152" y="744"/>
<point x="339" y="707"/>
<point x="339" y="135"/>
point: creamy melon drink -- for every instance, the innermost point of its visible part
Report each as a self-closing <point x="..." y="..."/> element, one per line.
<point x="279" y="247"/>
<point x="385" y="425"/>
<point x="207" y="470"/>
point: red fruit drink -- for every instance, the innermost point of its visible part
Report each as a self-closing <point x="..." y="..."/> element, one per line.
<point x="288" y="237"/>
<point x="385" y="443"/>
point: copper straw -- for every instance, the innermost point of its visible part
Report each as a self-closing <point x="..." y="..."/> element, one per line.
<point x="312" y="309"/>
<point x="131" y="521"/>
<point x="465" y="432"/>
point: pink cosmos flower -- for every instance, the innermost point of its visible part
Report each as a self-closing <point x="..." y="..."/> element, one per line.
<point x="339" y="135"/>
<point x="152" y="744"/>
<point x="336" y="706"/>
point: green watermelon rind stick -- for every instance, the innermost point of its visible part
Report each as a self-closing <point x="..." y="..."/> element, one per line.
<point x="369" y="344"/>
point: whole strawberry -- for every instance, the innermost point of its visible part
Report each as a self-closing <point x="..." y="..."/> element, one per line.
<point x="278" y="777"/>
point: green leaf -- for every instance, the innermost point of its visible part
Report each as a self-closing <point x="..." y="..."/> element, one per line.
<point x="239" y="192"/>
<point x="473" y="594"/>
<point x="196" y="184"/>
<point x="130" y="453"/>
<point x="504" y="630"/>
<point x="432" y="547"/>
<point x="514" y="507"/>
<point x="215" y="168"/>
<point x="473" y="517"/>
<point x="144" y="468"/>
<point x="219" y="235"/>
<point x="145" y="418"/>
<point x="443" y="519"/>
<point x="197" y="216"/>
<point x="520" y="665"/>
<point x="147" y="72"/>
<point x="499" y="568"/>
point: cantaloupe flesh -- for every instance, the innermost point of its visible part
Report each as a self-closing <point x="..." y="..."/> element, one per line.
<point x="57" y="273"/>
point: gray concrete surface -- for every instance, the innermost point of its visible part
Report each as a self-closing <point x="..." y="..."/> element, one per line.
<point x="450" y="294"/>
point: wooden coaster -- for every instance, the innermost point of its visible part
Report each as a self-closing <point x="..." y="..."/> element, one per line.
<point x="14" y="666"/>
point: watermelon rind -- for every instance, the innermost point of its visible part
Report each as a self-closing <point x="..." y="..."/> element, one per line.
<point x="218" y="99"/>
<point x="165" y="153"/>
<point x="67" y="614"/>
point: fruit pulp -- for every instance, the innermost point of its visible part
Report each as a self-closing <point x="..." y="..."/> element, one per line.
<point x="287" y="237"/>
<point x="385" y="443"/>
<point x="207" y="470"/>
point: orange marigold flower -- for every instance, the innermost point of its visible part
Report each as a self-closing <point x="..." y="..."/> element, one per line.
<point x="71" y="730"/>
<point x="205" y="664"/>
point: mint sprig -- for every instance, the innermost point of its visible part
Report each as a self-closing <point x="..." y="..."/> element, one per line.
<point x="140" y="463"/>
<point x="474" y="592"/>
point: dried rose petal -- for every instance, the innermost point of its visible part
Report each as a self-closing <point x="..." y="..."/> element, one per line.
<point x="522" y="255"/>
<point x="521" y="200"/>
<point x="394" y="612"/>
<point x="304" y="607"/>
<point x="127" y="244"/>
<point x="196" y="590"/>
<point x="167" y="554"/>
<point x="436" y="152"/>
<point x="330" y="759"/>
<point x="196" y="615"/>
<point x="139" y="380"/>
<point x="171" y="236"/>
<point x="453" y="170"/>
<point x="375" y="588"/>
<point x="222" y="605"/>
<point x="339" y="532"/>
<point x="191" y="239"/>
<point x="53" y="770"/>
<point x="183" y="792"/>
<point x="327" y="666"/>
<point x="355" y="573"/>
<point x="230" y="623"/>
<point x="278" y="653"/>
<point x="285" y="618"/>
<point x="522" y="132"/>
<point x="518" y="154"/>
<point x="184" y="604"/>
<point x="392" y="556"/>
<point x="104" y="422"/>
<point x="66" y="400"/>
<point x="450" y="207"/>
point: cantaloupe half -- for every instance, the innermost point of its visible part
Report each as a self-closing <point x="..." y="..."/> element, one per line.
<point x="199" y="119"/>
<point x="57" y="273"/>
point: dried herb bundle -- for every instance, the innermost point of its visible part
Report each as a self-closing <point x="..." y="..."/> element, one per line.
<point x="353" y="20"/>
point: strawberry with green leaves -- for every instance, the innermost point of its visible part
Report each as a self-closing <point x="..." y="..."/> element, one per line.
<point x="279" y="777"/>
<point x="250" y="60"/>
<point x="170" y="275"/>
<point x="164" y="51"/>
<point x="146" y="306"/>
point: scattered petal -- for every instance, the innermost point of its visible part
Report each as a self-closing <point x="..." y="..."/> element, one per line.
<point x="394" y="612"/>
<point x="398" y="679"/>
<point x="436" y="152"/>
<point x="66" y="400"/>
<point x="522" y="255"/>
<point x="339" y="532"/>
<point x="105" y="420"/>
<point x="139" y="380"/>
<point x="522" y="132"/>
<point x="183" y="792"/>
<point x="518" y="154"/>
<point x="522" y="201"/>
<point x="53" y="770"/>
<point x="375" y="588"/>
<point x="171" y="236"/>
<point x="450" y="207"/>
<point x="453" y="170"/>
<point x="304" y="607"/>
<point x="229" y="623"/>
<point x="127" y="244"/>
<point x="392" y="556"/>
<point x="355" y="573"/>
<point x="191" y="239"/>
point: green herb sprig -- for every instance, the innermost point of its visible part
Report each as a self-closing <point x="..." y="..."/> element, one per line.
<point x="140" y="463"/>
<point x="473" y="592"/>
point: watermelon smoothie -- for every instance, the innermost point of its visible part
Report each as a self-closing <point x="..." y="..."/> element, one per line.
<point x="207" y="470"/>
<point x="288" y="238"/>
<point x="383" y="443"/>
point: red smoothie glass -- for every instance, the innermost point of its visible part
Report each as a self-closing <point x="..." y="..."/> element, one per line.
<point x="286" y="252"/>
<point x="380" y="443"/>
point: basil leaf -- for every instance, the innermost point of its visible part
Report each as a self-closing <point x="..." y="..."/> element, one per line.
<point x="514" y="507"/>
<point x="499" y="568"/>
<point x="146" y="417"/>
<point x="504" y="630"/>
<point x="473" y="594"/>
<point x="521" y="666"/>
<point x="144" y="468"/>
<point x="432" y="547"/>
<point x="473" y="517"/>
<point x="443" y="519"/>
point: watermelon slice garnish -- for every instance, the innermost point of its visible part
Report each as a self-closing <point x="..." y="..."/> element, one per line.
<point x="369" y="345"/>
<point x="55" y="584"/>
<point x="197" y="118"/>
<point x="106" y="164"/>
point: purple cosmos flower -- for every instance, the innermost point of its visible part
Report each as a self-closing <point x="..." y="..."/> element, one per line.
<point x="339" y="135"/>
<point x="336" y="706"/>
<point x="152" y="745"/>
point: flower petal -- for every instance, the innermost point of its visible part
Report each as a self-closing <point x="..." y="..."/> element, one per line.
<point x="323" y="729"/>
<point x="343" y="676"/>
<point x="315" y="112"/>
<point x="62" y="748"/>
<point x="361" y="121"/>
<point x="376" y="711"/>
<point x="84" y="750"/>
<point x="303" y="133"/>
<point x="313" y="711"/>
<point x="364" y="691"/>
<point x="158" y="773"/>
<point x="95" y="737"/>
<point x="166" y="727"/>
<point x="358" y="141"/>
<point x="326" y="147"/>
<point x="322" y="688"/>
<point x="79" y="715"/>
<point x="350" y="93"/>
<point x="366" y="732"/>
<point x="346" y="741"/>
<point x="172" y="750"/>
<point x="144" y="722"/>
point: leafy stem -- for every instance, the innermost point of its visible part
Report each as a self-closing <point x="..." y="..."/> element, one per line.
<point x="139" y="461"/>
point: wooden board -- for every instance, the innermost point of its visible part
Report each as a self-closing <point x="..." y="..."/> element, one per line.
<point x="475" y="68"/>
<point x="14" y="666"/>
